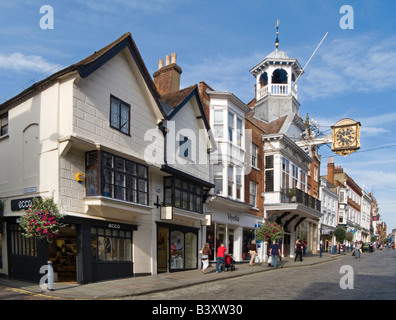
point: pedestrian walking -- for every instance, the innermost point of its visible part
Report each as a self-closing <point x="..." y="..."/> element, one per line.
<point x="206" y="252"/>
<point x="275" y="253"/>
<point x="358" y="248"/>
<point x="221" y="253"/>
<point x="298" y="248"/>
<point x="253" y="252"/>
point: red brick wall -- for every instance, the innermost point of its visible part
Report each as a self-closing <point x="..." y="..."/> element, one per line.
<point x="256" y="175"/>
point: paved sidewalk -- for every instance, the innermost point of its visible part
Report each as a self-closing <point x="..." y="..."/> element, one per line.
<point x="128" y="287"/>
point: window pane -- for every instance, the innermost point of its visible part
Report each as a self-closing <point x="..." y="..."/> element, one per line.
<point x="142" y="184"/>
<point x="128" y="249"/>
<point x="101" y="248"/>
<point x="115" y="113"/>
<point x="92" y="182"/>
<point x="218" y="116"/>
<point x="218" y="131"/>
<point x="108" y="183"/>
<point x="269" y="162"/>
<point x="124" y="126"/>
<point x="108" y="160"/>
<point x="218" y="186"/>
<point x="230" y="126"/>
<point x="142" y="171"/>
<point x="93" y="246"/>
<point x="131" y="168"/>
<point x="142" y="198"/>
<point x="121" y="249"/>
<point x="108" y="246"/>
<point x="239" y="132"/>
<point x="119" y="164"/>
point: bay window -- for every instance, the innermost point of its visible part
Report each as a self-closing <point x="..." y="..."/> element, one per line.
<point x="183" y="194"/>
<point x="115" y="177"/>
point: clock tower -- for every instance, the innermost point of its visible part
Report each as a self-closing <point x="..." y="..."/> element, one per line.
<point x="276" y="84"/>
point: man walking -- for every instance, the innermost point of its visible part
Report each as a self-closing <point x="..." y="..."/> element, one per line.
<point x="275" y="253"/>
<point x="221" y="252"/>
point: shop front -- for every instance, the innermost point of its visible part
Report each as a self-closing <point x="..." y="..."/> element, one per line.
<point x="235" y="229"/>
<point x="177" y="247"/>
<point x="86" y="250"/>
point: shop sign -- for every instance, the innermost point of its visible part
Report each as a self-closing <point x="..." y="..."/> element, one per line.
<point x="22" y="204"/>
<point x="114" y="226"/>
<point x="232" y="217"/>
<point x="166" y="213"/>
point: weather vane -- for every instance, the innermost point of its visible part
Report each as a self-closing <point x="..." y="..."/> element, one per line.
<point x="277" y="33"/>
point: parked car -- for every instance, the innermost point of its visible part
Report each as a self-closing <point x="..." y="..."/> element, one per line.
<point x="367" y="246"/>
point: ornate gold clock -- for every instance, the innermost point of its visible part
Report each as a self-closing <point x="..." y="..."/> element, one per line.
<point x="346" y="137"/>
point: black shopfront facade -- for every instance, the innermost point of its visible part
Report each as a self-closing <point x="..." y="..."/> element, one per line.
<point x="87" y="250"/>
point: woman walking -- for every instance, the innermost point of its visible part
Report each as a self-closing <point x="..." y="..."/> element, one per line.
<point x="298" y="250"/>
<point x="206" y="252"/>
<point x="253" y="252"/>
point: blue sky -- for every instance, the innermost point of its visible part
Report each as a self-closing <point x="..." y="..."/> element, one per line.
<point x="351" y="75"/>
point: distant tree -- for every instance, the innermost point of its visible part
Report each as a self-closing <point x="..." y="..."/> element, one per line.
<point x="340" y="234"/>
<point x="349" y="236"/>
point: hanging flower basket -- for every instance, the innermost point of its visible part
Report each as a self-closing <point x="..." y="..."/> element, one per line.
<point x="269" y="232"/>
<point x="42" y="220"/>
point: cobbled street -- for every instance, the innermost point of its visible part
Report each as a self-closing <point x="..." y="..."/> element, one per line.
<point x="373" y="278"/>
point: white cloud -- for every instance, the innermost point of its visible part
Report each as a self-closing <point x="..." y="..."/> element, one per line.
<point x="228" y="74"/>
<point x="22" y="63"/>
<point x="358" y="64"/>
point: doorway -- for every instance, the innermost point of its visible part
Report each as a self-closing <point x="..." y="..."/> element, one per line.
<point x="63" y="255"/>
<point x="177" y="248"/>
<point x="162" y="249"/>
<point x="286" y="242"/>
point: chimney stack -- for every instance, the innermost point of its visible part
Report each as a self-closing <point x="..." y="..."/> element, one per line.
<point x="167" y="78"/>
<point x="330" y="171"/>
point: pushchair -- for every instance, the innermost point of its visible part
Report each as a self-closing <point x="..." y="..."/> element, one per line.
<point x="230" y="263"/>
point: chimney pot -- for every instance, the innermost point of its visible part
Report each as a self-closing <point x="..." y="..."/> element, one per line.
<point x="167" y="77"/>
<point x="173" y="57"/>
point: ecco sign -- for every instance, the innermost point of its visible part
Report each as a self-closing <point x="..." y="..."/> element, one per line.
<point x="114" y="226"/>
<point x="22" y="204"/>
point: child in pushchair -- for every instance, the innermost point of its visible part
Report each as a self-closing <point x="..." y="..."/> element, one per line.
<point x="230" y="263"/>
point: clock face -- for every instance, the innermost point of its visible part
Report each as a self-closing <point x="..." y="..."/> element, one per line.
<point x="345" y="137"/>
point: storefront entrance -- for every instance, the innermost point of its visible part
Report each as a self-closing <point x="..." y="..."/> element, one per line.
<point x="63" y="255"/>
<point x="177" y="248"/>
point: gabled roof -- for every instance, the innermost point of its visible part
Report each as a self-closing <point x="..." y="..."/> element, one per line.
<point x="267" y="127"/>
<point x="87" y="66"/>
<point x="176" y="100"/>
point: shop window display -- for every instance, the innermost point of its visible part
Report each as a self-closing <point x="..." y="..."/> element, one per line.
<point x="111" y="245"/>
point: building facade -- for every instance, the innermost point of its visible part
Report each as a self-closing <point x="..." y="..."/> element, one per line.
<point x="228" y="203"/>
<point x="286" y="166"/>
<point x="139" y="149"/>
<point x="329" y="207"/>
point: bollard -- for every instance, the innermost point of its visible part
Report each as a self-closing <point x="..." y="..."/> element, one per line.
<point x="50" y="276"/>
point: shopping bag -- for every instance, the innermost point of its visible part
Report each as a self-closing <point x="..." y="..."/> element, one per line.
<point x="270" y="259"/>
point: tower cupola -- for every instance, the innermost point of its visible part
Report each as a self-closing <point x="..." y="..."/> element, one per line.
<point x="276" y="78"/>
